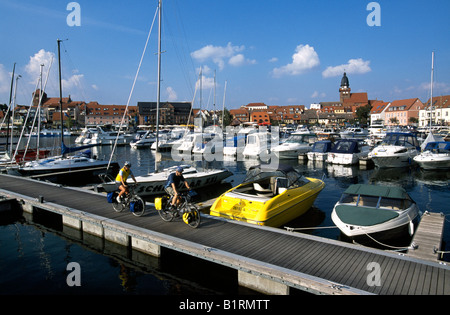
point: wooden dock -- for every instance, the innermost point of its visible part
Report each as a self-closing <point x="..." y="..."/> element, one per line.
<point x="266" y="259"/>
<point x="428" y="237"/>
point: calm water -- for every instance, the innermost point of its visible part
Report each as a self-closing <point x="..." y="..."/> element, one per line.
<point x="35" y="250"/>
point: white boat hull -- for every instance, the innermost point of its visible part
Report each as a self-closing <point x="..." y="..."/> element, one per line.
<point x="393" y="156"/>
<point x="403" y="220"/>
<point x="153" y="183"/>
<point x="430" y="161"/>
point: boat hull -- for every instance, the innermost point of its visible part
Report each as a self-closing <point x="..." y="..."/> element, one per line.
<point x="153" y="183"/>
<point x="433" y="161"/>
<point x="385" y="225"/>
<point x="69" y="174"/>
<point x="273" y="212"/>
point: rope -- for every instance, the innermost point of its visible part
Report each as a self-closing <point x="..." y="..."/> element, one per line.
<point x="289" y="229"/>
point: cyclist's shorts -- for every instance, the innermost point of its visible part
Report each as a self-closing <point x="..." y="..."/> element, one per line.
<point x="169" y="190"/>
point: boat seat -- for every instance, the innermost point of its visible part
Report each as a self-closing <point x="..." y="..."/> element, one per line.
<point x="278" y="184"/>
<point x="262" y="191"/>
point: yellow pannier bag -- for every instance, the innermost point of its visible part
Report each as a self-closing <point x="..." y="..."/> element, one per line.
<point x="158" y="203"/>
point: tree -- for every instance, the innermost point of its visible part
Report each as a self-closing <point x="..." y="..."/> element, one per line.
<point x="394" y="121"/>
<point x="362" y="113"/>
<point x="227" y="117"/>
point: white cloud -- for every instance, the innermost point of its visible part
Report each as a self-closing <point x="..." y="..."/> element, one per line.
<point x="304" y="59"/>
<point x="95" y="87"/>
<point x="239" y="60"/>
<point x="73" y="81"/>
<point x="219" y="54"/>
<point x="354" y="66"/>
<point x="171" y="94"/>
<point x="316" y="94"/>
<point x="274" y="59"/>
<point x="439" y="87"/>
<point x="33" y="67"/>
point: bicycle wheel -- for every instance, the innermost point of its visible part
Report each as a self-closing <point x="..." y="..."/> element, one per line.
<point x="165" y="213"/>
<point x="139" y="206"/>
<point x="192" y="216"/>
<point x="118" y="206"/>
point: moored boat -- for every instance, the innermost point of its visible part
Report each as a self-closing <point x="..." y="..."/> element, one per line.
<point x="269" y="196"/>
<point x="435" y="156"/>
<point x="319" y="150"/>
<point x="297" y="143"/>
<point x="397" y="150"/>
<point x="152" y="184"/>
<point x="348" y="152"/>
<point x="382" y="212"/>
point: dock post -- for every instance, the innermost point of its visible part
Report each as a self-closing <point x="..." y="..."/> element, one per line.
<point x="261" y="284"/>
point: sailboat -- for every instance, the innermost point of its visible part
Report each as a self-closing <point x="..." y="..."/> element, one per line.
<point x="153" y="183"/>
<point x="80" y="168"/>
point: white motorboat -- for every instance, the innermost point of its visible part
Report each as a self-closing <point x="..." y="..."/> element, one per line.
<point x="319" y="150"/>
<point x="348" y="152"/>
<point x="44" y="133"/>
<point x="257" y="145"/>
<point x="383" y="212"/>
<point x="235" y="141"/>
<point x="86" y="133"/>
<point x="398" y="149"/>
<point x="209" y="144"/>
<point x="297" y="143"/>
<point x="435" y="156"/>
<point x="354" y="133"/>
<point x="98" y="136"/>
<point x="143" y="139"/>
<point x="153" y="184"/>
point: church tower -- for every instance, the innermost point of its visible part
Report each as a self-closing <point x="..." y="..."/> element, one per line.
<point x="344" y="90"/>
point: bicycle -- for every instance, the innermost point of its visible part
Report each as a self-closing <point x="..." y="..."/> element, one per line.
<point x="131" y="201"/>
<point x="187" y="210"/>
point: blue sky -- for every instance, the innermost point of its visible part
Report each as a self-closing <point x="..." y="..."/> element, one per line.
<point x="286" y="52"/>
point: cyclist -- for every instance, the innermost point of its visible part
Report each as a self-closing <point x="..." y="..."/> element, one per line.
<point x="121" y="179"/>
<point x="172" y="183"/>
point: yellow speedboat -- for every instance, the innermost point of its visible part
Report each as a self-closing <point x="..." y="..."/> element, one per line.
<point x="268" y="196"/>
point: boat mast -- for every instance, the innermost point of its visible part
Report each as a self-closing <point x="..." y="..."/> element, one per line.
<point x="9" y="110"/>
<point x="431" y="100"/>
<point x="158" y="97"/>
<point x="60" y="94"/>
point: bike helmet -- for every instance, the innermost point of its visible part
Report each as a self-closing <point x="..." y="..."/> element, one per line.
<point x="179" y="169"/>
<point x="127" y="164"/>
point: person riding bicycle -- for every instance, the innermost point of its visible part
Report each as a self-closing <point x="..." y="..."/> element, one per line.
<point x="122" y="177"/>
<point x="172" y="183"/>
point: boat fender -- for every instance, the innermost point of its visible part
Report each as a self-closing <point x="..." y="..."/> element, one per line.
<point x="411" y="228"/>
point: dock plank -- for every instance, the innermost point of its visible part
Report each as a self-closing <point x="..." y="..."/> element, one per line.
<point x="300" y="259"/>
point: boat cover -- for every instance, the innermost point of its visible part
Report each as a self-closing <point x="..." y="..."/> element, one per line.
<point x="364" y="216"/>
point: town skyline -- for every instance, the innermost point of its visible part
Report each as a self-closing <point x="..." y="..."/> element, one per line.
<point x="288" y="53"/>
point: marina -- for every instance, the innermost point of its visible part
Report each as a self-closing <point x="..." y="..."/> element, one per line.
<point x="315" y="226"/>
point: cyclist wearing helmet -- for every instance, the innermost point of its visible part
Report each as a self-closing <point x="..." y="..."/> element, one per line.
<point x="121" y="179"/>
<point x="173" y="182"/>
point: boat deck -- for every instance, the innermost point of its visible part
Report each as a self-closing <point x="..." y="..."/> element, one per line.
<point x="296" y="260"/>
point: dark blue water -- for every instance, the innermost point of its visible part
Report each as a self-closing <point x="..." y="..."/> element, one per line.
<point x="36" y="250"/>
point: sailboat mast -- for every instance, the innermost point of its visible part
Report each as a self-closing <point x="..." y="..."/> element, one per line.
<point x="60" y="93"/>
<point x="9" y="110"/>
<point x="158" y="97"/>
<point x="431" y="99"/>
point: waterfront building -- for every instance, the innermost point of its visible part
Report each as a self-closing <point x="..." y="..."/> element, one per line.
<point x="400" y="112"/>
<point x="440" y="112"/>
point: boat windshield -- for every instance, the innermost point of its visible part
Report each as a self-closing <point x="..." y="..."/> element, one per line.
<point x="376" y="202"/>
<point x="400" y="139"/>
<point x="294" y="178"/>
